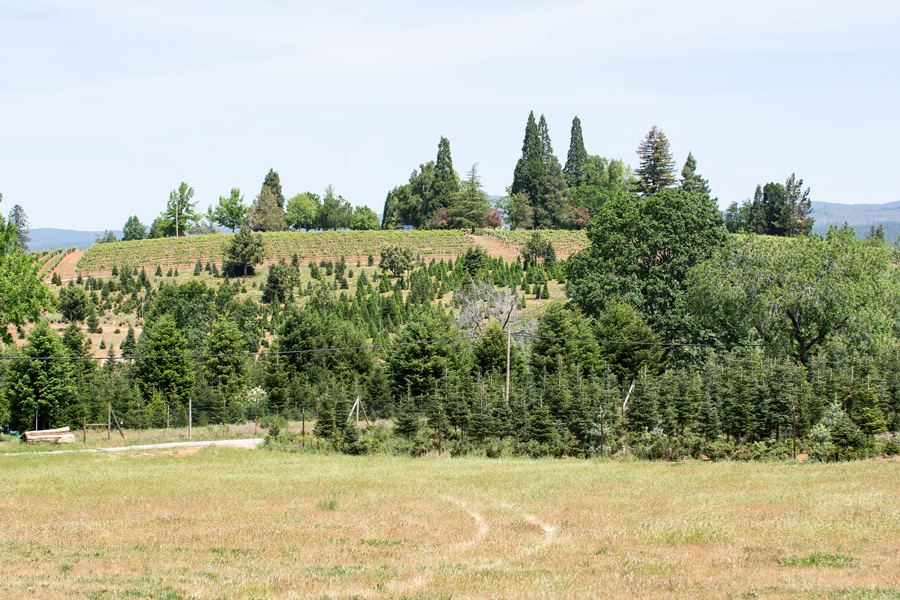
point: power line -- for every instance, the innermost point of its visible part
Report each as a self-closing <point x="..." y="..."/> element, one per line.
<point x="628" y="343"/>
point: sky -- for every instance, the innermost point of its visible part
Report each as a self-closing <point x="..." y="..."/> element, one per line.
<point x="106" y="106"/>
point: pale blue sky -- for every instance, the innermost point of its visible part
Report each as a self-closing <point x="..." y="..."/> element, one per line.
<point x="105" y="106"/>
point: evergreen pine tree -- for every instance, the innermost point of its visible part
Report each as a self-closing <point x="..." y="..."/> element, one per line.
<point x="273" y="182"/>
<point x="325" y="426"/>
<point x="641" y="413"/>
<point x="19" y="219"/>
<point x="550" y="202"/>
<point x="446" y="182"/>
<point x="540" y="426"/>
<point x="691" y="181"/>
<point x="406" y="421"/>
<point x="866" y="414"/>
<point x="708" y="418"/>
<point x="657" y="170"/>
<point x="530" y="166"/>
<point x="577" y="158"/>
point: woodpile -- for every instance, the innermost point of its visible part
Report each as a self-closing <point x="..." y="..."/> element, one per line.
<point x="50" y="436"/>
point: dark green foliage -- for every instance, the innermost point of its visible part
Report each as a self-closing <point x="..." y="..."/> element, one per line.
<point x="622" y="326"/>
<point x="265" y="214"/>
<point x="782" y="210"/>
<point x="416" y="366"/>
<point x="446" y="182"/>
<point x="396" y="259"/>
<point x="45" y="386"/>
<point x="335" y="212"/>
<point x="93" y="321"/>
<point x="169" y="374"/>
<point x="539" y="185"/>
<point x="128" y="344"/>
<point x="641" y="251"/>
<point x="243" y="252"/>
<point x="19" y="220"/>
<point x="74" y="304"/>
<point x="406" y="422"/>
<point x="133" y="229"/>
<point x="559" y="330"/>
<point x="540" y="426"/>
<point x="280" y="283"/>
<point x="691" y="181"/>
<point x="273" y="182"/>
<point x="866" y="413"/>
<point x="229" y="369"/>
<point x="468" y="206"/>
<point x="538" y="250"/>
<point x="577" y="158"/>
<point x="325" y="423"/>
<point x="657" y="170"/>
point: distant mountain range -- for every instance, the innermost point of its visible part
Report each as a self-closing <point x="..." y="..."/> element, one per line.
<point x="46" y="238"/>
<point x="859" y="216"/>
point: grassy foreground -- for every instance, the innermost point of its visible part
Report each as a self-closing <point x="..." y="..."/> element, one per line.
<point x="233" y="523"/>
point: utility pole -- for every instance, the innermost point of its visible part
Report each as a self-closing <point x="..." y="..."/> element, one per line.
<point x="508" y="345"/>
<point x="190" y="415"/>
<point x="794" y="432"/>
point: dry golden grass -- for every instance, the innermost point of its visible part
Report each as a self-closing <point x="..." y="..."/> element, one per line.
<point x="230" y="523"/>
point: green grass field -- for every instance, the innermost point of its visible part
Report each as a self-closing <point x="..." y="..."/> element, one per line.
<point x="233" y="523"/>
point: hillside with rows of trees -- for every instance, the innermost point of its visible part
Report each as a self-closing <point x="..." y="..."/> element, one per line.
<point x="618" y="313"/>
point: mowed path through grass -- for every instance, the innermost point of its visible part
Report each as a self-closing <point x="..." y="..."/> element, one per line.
<point x="232" y="523"/>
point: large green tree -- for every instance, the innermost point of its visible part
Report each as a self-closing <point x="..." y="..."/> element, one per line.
<point x="335" y="212"/>
<point x="164" y="367"/>
<point x="41" y="383"/>
<point x="416" y="366"/>
<point x="226" y="366"/>
<point x="231" y="212"/>
<point x="273" y="182"/>
<point x="245" y="250"/>
<point x="604" y="179"/>
<point x="539" y="178"/>
<point x="641" y="249"/>
<point x="691" y="181"/>
<point x="364" y="218"/>
<point x="781" y="210"/>
<point x="796" y="295"/>
<point x="407" y="204"/>
<point x="22" y="294"/>
<point x="133" y="229"/>
<point x="469" y="204"/>
<point x="302" y="211"/>
<point x="657" y="170"/>
<point x="180" y="211"/>
<point x="577" y="157"/>
<point x="446" y="182"/>
<point x="265" y="214"/>
<point x="19" y="219"/>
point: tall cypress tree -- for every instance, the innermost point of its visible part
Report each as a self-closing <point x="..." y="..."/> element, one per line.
<point x="530" y="165"/>
<point x="576" y="160"/>
<point x="446" y="181"/>
<point x="550" y="208"/>
<point x="657" y="170"/>
<point x="273" y="182"/>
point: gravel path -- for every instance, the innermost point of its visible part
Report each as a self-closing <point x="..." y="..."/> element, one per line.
<point x="243" y="442"/>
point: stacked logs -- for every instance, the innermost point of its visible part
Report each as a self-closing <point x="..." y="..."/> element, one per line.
<point x="50" y="436"/>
